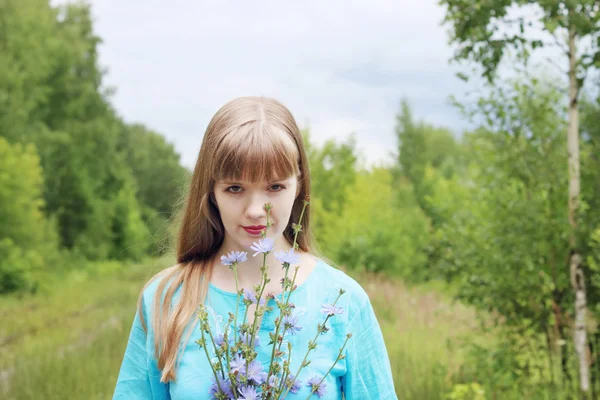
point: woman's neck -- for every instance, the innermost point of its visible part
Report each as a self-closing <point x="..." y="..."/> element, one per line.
<point x="249" y="272"/>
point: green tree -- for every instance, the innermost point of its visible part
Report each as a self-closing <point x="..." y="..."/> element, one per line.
<point x="504" y="240"/>
<point x="28" y="44"/>
<point x="53" y="98"/>
<point x="332" y="169"/>
<point x="332" y="173"/>
<point x="159" y="178"/>
<point x="421" y="146"/>
<point x="483" y="31"/>
<point x="375" y="234"/>
<point x="27" y="242"/>
<point x="156" y="167"/>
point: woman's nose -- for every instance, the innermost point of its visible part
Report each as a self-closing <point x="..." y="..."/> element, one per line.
<point x="256" y="207"/>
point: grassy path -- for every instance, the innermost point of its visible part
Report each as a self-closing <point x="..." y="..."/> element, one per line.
<point x="42" y="336"/>
<point x="69" y="343"/>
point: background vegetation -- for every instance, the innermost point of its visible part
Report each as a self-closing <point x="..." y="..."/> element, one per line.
<point x="463" y="243"/>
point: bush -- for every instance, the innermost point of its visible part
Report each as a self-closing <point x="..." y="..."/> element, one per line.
<point x="25" y="233"/>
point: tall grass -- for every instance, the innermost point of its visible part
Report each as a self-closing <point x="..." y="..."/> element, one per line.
<point x="69" y="342"/>
<point x="419" y="326"/>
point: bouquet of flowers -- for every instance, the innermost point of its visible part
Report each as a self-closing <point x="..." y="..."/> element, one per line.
<point x="232" y="355"/>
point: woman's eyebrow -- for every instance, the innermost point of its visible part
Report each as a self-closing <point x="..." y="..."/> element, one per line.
<point x="245" y="183"/>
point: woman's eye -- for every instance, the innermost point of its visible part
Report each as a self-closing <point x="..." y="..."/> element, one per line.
<point x="238" y="189"/>
<point x="281" y="187"/>
<point x="233" y="189"/>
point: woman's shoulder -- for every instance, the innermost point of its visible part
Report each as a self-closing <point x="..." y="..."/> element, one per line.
<point x="160" y="279"/>
<point x="333" y="278"/>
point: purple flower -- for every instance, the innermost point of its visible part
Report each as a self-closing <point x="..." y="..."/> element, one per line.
<point x="263" y="246"/>
<point x="249" y="393"/>
<point x="248" y="295"/>
<point x="235" y="257"/>
<point x="315" y="387"/>
<point x="288" y="257"/>
<point x="290" y="323"/>
<point x="251" y="296"/>
<point x="273" y="381"/>
<point x="237" y="364"/>
<point x="330" y="309"/>
<point x="294" y="384"/>
<point x="220" y="340"/>
<point x="225" y="387"/>
<point x="255" y="372"/>
<point x="245" y="338"/>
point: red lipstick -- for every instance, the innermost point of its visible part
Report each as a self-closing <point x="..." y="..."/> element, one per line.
<point x="254" y="230"/>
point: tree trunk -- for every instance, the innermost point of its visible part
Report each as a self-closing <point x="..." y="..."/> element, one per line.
<point x="576" y="273"/>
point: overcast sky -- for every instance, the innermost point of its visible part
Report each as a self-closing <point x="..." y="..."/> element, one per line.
<point x="340" y="66"/>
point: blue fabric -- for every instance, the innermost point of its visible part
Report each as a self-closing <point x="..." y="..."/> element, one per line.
<point x="363" y="374"/>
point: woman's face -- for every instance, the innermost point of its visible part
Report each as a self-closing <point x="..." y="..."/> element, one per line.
<point x="241" y="205"/>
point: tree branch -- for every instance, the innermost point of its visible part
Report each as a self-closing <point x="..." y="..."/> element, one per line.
<point x="560" y="45"/>
<point x="556" y="65"/>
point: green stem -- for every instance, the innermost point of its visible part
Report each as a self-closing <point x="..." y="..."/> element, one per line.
<point x="281" y="319"/>
<point x="263" y="284"/>
<point x="233" y="387"/>
<point x="237" y="290"/>
<point x="285" y="373"/>
<point x="216" y="353"/>
<point x="292" y="287"/>
<point x="285" y="301"/>
<point x="314" y="341"/>
<point x="208" y="358"/>
<point x="296" y="231"/>
<point x="335" y="362"/>
<point x="277" y="344"/>
<point x="277" y="327"/>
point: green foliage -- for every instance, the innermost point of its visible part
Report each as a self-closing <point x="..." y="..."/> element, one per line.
<point x="26" y="239"/>
<point x="513" y="223"/>
<point x="107" y="186"/>
<point x="373" y="234"/>
<point x="505" y="240"/>
<point x="420" y="148"/>
<point x="362" y="222"/>
<point x="332" y="171"/>
<point x="485" y="30"/>
<point x="130" y="236"/>
<point x="589" y="217"/>
<point x="159" y="179"/>
<point x="472" y="391"/>
<point x="155" y="166"/>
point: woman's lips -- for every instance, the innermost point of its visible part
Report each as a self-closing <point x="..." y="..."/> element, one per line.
<point x="254" y="230"/>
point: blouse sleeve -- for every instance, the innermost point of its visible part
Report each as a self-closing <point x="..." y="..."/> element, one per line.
<point x="139" y="378"/>
<point x="368" y="371"/>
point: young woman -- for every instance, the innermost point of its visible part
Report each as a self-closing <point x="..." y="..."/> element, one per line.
<point x="252" y="154"/>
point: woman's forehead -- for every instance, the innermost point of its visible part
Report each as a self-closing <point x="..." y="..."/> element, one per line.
<point x="255" y="182"/>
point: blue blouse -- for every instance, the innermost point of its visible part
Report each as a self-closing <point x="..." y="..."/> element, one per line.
<point x="364" y="373"/>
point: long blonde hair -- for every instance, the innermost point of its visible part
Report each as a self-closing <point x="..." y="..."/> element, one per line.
<point x="250" y="138"/>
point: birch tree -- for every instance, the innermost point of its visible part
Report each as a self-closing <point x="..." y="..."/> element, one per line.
<point x="483" y="31"/>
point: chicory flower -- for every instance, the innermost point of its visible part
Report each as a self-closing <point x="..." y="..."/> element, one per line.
<point x="330" y="309"/>
<point x="263" y="246"/>
<point x="288" y="257"/>
<point x="234" y="257"/>
<point x="317" y="388"/>
<point x="290" y="324"/>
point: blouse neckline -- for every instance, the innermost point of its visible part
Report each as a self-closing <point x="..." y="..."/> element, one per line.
<point x="299" y="288"/>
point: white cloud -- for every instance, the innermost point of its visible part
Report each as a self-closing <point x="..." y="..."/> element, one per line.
<point x="341" y="66"/>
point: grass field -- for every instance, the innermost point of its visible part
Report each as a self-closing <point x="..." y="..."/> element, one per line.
<point x="69" y="342"/>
